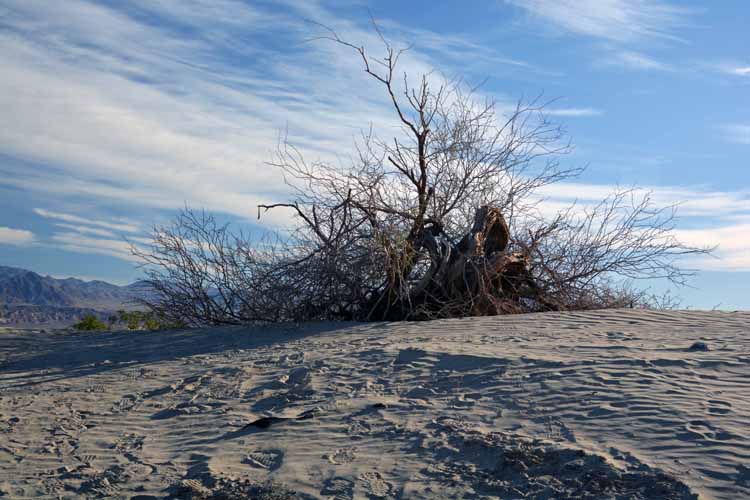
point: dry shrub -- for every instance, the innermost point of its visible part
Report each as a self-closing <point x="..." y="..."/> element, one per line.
<point x="443" y="220"/>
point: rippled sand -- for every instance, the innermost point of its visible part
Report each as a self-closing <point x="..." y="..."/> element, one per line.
<point x="611" y="404"/>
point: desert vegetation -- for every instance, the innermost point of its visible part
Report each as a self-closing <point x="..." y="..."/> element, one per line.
<point x="90" y="323"/>
<point x="141" y="320"/>
<point x="444" y="219"/>
<point x="130" y="320"/>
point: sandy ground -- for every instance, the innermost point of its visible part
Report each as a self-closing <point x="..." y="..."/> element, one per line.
<point x="610" y="404"/>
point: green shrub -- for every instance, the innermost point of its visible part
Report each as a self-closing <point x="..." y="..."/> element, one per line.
<point x="140" y="320"/>
<point x="90" y="323"/>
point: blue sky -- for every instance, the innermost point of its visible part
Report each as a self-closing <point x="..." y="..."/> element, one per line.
<point x="117" y="113"/>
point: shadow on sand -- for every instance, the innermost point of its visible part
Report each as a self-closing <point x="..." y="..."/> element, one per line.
<point x="78" y="354"/>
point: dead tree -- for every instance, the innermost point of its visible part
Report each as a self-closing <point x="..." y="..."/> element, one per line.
<point x="441" y="220"/>
<point x="429" y="207"/>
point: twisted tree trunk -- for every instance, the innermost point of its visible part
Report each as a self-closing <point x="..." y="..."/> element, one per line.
<point x="476" y="276"/>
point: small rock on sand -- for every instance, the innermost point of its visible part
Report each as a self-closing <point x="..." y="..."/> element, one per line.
<point x="699" y="346"/>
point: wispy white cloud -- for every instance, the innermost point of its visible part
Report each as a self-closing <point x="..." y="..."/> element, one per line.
<point x="15" y="237"/>
<point x="691" y="201"/>
<point x="737" y="132"/>
<point x="720" y="218"/>
<point x="634" y="60"/>
<point x="87" y="230"/>
<point x="79" y="234"/>
<point x="733" y="69"/>
<point x="613" y="20"/>
<point x="618" y="25"/>
<point x="77" y="242"/>
<point x="733" y="242"/>
<point x="573" y="112"/>
<point x="738" y="70"/>
<point x="116" y="225"/>
<point x="136" y="112"/>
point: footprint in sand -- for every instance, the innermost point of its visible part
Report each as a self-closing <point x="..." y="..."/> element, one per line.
<point x="126" y="403"/>
<point x="128" y="443"/>
<point x="292" y="387"/>
<point x="194" y="488"/>
<point x="53" y="487"/>
<point x="85" y="459"/>
<point x="374" y="485"/>
<point x="338" y="488"/>
<point x="699" y="429"/>
<point x="103" y="484"/>
<point x="467" y="400"/>
<point x="341" y="456"/>
<point x="291" y="359"/>
<point x="409" y="355"/>
<point x="420" y="393"/>
<point x="718" y="407"/>
<point x="7" y="425"/>
<point x="185" y="408"/>
<point x="299" y="377"/>
<point x="269" y="460"/>
<point x="621" y="336"/>
<point x="743" y="475"/>
<point x="358" y="428"/>
<point x="8" y="454"/>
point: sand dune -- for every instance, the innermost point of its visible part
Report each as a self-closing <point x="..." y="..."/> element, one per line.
<point x="612" y="404"/>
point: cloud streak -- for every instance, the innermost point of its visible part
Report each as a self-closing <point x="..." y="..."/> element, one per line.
<point x="16" y="237"/>
<point x="733" y="69"/>
<point x="738" y="133"/>
<point x="80" y="243"/>
<point x="733" y="246"/>
<point x="114" y="102"/>
<point x="110" y="237"/>
<point x="115" y="225"/>
<point x="136" y="112"/>
<point x="719" y="218"/>
<point x="612" y="20"/>
<point x="573" y="112"/>
<point x="636" y="61"/>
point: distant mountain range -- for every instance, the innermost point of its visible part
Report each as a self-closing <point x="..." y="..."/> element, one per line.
<point x="27" y="298"/>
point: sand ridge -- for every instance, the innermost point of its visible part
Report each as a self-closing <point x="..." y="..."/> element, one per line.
<point x="567" y="405"/>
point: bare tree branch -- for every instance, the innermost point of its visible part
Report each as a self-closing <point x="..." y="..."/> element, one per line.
<point x="439" y="221"/>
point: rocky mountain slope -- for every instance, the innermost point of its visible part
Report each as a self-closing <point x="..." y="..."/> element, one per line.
<point x="29" y="298"/>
